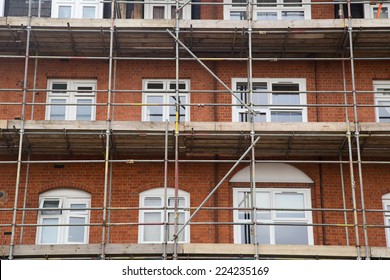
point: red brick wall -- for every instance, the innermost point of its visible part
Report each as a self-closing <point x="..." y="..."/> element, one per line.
<point x="322" y="11"/>
<point x="197" y="179"/>
<point x="214" y="11"/>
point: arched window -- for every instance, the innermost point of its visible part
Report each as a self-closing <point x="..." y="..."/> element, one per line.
<point x="386" y="207"/>
<point x="283" y="226"/>
<point x="62" y="210"/>
<point x="152" y="217"/>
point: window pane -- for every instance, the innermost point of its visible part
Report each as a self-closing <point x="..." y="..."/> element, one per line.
<point x="292" y="15"/>
<point x="267" y="16"/>
<point x="259" y="96"/>
<point x="89" y="12"/>
<point x="384" y="112"/>
<point x="263" y="234"/>
<point x="154" y="113"/>
<point x="78" y="207"/>
<point x="182" y="109"/>
<point x="49" y="233"/>
<point x="87" y="90"/>
<point x="171" y="201"/>
<point x="297" y="3"/>
<point x="384" y="12"/>
<point x="244" y="215"/>
<point x="173" y="12"/>
<point x="152" y="202"/>
<point x="64" y="12"/>
<point x="259" y="117"/>
<point x="285" y="116"/>
<point x="57" y="112"/>
<point x="291" y="235"/>
<point x="237" y="15"/>
<point x="239" y="3"/>
<point x="182" y="86"/>
<point x="171" y="228"/>
<point x="51" y="204"/>
<point x="84" y="113"/>
<point x="245" y="234"/>
<point x="76" y="233"/>
<point x="263" y="200"/>
<point x="59" y="88"/>
<point x="158" y="12"/>
<point x="155" y="86"/>
<point x="290" y="200"/>
<point x="152" y="232"/>
<point x="263" y="3"/>
<point x="244" y="200"/>
<point x="243" y="94"/>
<point x="285" y="97"/>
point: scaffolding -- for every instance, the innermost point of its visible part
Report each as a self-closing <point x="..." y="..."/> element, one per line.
<point x="346" y="41"/>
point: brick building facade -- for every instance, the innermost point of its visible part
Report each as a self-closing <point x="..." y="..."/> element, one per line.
<point x="122" y="132"/>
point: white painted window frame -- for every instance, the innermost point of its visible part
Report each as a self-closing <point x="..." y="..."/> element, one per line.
<point x="386" y="216"/>
<point x="268" y="109"/>
<point x="66" y="197"/>
<point x="369" y="9"/>
<point x="378" y="97"/>
<point x="159" y="193"/>
<point x="308" y="214"/>
<point x="71" y="96"/>
<point x="149" y="4"/>
<point x="2" y="7"/>
<point x="165" y="93"/>
<point x="77" y="7"/>
<point x="278" y="9"/>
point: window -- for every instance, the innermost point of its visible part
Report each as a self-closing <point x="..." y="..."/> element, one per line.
<point x="2" y="8"/>
<point x="268" y="10"/>
<point x="159" y="92"/>
<point x="376" y="10"/>
<point x="80" y="93"/>
<point x="386" y="207"/>
<point x="154" y="9"/>
<point x="77" y="9"/>
<point x="59" y="207"/>
<point x="153" y="200"/>
<point x="281" y="226"/>
<point x="382" y="100"/>
<point x="274" y="100"/>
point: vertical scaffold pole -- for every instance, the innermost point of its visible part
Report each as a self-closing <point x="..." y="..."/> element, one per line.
<point x="350" y="161"/>
<point x="357" y="137"/>
<point x="21" y="135"/>
<point x="177" y="120"/>
<point x="29" y="153"/>
<point x="252" y="120"/>
<point x="165" y="232"/>
<point x="108" y="133"/>
<point x="344" y="201"/>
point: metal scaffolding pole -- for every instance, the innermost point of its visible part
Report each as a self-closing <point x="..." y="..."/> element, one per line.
<point x="356" y="123"/>
<point x="344" y="201"/>
<point x="25" y="197"/>
<point x="177" y="121"/>
<point x="252" y="133"/>
<point x="29" y="152"/>
<point x="108" y="132"/>
<point x="21" y="133"/>
<point x="165" y="230"/>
